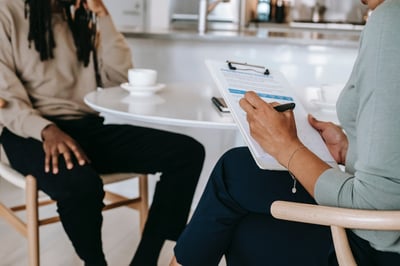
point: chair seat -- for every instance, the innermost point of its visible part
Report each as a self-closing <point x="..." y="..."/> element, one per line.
<point x="117" y="177"/>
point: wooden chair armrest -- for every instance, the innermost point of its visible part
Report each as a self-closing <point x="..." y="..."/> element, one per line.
<point x="335" y="216"/>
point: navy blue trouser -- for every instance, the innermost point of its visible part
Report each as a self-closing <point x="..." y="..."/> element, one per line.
<point x="233" y="219"/>
<point x="113" y="148"/>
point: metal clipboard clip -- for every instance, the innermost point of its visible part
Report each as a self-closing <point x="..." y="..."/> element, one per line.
<point x="247" y="67"/>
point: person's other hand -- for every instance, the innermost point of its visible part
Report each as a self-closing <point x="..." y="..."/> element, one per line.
<point x="333" y="136"/>
<point x="274" y="131"/>
<point x="56" y="143"/>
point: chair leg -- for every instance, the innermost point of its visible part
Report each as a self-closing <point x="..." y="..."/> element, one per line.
<point x="144" y="203"/>
<point x="343" y="251"/>
<point x="32" y="221"/>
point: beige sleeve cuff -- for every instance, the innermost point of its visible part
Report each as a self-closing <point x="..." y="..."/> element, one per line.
<point x="33" y="126"/>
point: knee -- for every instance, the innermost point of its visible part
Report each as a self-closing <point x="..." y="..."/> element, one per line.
<point x="230" y="165"/>
<point x="196" y="148"/>
<point x="200" y="151"/>
<point x="237" y="154"/>
<point x="236" y="151"/>
<point x="191" y="149"/>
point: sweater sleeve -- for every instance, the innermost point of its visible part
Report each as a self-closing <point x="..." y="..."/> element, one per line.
<point x="18" y="115"/>
<point x="114" y="54"/>
<point x="375" y="183"/>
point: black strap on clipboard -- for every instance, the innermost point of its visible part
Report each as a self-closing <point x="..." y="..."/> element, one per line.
<point x="247" y="67"/>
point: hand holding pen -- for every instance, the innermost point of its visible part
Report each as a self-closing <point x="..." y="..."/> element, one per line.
<point x="272" y="126"/>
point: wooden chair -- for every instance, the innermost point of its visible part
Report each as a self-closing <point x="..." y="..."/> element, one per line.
<point x="338" y="219"/>
<point x="29" y="227"/>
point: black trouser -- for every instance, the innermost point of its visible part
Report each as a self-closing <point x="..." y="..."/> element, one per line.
<point x="233" y="219"/>
<point x="113" y="148"/>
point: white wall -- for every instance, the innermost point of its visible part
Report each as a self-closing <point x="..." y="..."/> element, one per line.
<point x="157" y="13"/>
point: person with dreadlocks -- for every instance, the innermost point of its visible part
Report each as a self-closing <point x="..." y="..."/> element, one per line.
<point x="50" y="57"/>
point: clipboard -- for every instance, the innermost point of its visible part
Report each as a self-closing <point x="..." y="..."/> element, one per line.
<point x="234" y="79"/>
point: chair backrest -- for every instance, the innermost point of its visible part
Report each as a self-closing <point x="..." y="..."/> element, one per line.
<point x="11" y="175"/>
<point x="338" y="219"/>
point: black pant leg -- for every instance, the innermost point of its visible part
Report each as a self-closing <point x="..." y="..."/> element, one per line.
<point x="78" y="192"/>
<point x="126" y="148"/>
<point x="237" y="188"/>
<point x="179" y="159"/>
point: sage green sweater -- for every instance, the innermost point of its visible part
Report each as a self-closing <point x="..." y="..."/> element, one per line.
<point x="369" y="111"/>
<point x="35" y="89"/>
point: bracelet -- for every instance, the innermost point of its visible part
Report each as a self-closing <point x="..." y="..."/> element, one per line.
<point x="294" y="190"/>
<point x="292" y="155"/>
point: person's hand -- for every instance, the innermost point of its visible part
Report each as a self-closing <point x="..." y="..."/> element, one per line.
<point x="96" y="6"/>
<point x="333" y="136"/>
<point x="274" y="131"/>
<point x="56" y="143"/>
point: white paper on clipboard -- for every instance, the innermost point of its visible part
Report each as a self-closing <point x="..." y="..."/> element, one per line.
<point x="233" y="84"/>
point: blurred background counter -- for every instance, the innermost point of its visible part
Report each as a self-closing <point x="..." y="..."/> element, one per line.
<point x="307" y="57"/>
<point x="312" y="41"/>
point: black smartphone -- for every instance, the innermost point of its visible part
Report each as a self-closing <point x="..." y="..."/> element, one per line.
<point x="220" y="103"/>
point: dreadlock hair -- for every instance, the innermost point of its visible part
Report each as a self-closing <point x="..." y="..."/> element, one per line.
<point x="41" y="32"/>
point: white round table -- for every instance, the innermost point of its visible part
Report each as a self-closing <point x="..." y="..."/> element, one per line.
<point x="187" y="105"/>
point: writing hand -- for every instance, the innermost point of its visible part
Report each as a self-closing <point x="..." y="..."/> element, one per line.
<point x="56" y="143"/>
<point x="333" y="136"/>
<point x="274" y="131"/>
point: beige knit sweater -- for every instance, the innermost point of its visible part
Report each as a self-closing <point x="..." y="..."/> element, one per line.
<point x="56" y="87"/>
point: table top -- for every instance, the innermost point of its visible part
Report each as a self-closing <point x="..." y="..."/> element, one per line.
<point x="176" y="104"/>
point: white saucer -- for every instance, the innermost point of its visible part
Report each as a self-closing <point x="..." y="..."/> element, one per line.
<point x="142" y="90"/>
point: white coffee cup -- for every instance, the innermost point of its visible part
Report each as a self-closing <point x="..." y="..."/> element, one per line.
<point x="142" y="77"/>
